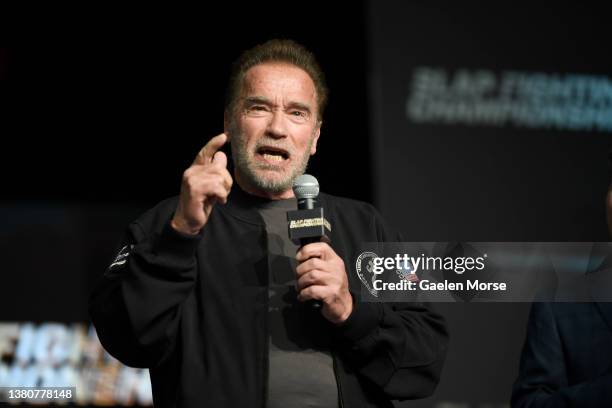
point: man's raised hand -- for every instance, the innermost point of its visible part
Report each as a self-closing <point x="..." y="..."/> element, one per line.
<point x="204" y="183"/>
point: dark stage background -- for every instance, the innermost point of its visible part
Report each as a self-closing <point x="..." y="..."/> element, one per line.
<point x="100" y="116"/>
<point x="451" y="165"/>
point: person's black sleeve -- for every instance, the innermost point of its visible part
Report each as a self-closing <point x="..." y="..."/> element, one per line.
<point x="543" y="378"/>
<point x="400" y="347"/>
<point x="135" y="307"/>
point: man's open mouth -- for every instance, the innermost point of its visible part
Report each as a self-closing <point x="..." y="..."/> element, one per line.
<point x="273" y="154"/>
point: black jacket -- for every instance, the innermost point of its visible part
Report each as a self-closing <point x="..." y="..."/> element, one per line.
<point x="567" y="357"/>
<point x="194" y="311"/>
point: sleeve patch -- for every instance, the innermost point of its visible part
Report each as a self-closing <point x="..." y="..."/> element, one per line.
<point x="122" y="256"/>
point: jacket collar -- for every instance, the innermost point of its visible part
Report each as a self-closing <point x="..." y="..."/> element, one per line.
<point x="242" y="205"/>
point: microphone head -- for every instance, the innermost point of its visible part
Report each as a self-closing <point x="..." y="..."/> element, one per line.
<point x="305" y="186"/>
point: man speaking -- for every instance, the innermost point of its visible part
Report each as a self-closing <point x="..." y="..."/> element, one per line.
<point x="211" y="295"/>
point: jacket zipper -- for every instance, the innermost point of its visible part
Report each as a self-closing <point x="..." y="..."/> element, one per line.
<point x="337" y="380"/>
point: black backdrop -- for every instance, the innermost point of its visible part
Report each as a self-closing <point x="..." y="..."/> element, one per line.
<point x="465" y="181"/>
<point x="100" y="117"/>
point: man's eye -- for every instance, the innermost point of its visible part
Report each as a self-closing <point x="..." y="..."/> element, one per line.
<point x="258" y="108"/>
<point x="298" y="113"/>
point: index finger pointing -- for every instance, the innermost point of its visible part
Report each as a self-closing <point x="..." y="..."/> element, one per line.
<point x="205" y="155"/>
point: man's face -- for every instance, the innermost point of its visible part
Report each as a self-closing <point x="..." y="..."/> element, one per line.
<point x="274" y="128"/>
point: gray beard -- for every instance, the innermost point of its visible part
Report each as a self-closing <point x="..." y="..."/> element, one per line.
<point x="245" y="165"/>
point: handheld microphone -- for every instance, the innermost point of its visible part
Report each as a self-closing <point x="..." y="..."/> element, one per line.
<point x="308" y="224"/>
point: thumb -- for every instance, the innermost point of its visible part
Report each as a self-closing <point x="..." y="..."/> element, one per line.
<point x="220" y="159"/>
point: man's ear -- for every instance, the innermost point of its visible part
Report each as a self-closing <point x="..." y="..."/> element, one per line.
<point x="313" y="148"/>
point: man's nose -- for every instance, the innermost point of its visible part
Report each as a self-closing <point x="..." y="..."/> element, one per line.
<point x="277" y="125"/>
